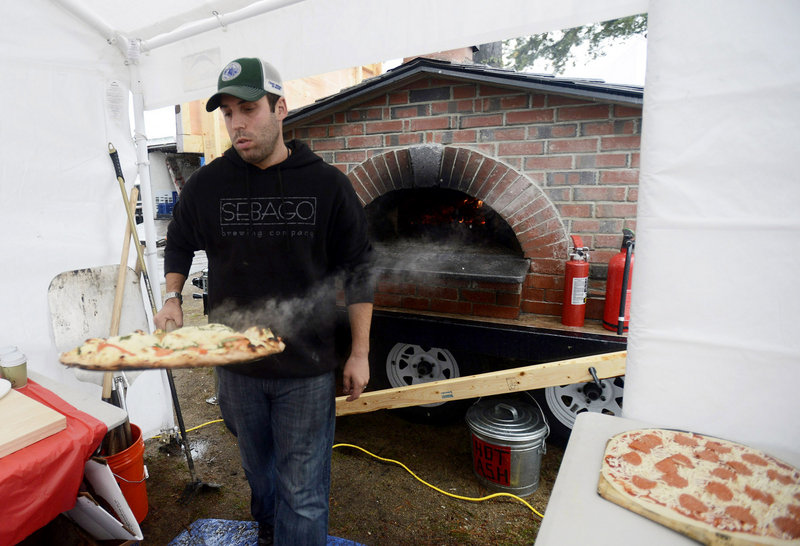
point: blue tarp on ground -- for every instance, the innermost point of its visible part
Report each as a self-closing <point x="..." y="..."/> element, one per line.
<point x="220" y="532"/>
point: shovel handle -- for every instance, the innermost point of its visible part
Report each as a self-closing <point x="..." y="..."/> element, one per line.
<point x="116" y="312"/>
<point x="112" y="152"/>
<point x="108" y="378"/>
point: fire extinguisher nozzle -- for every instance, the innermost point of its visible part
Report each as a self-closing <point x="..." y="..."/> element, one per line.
<point x="618" y="286"/>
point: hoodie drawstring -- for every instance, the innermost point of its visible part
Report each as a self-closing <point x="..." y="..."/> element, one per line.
<point x="283" y="197"/>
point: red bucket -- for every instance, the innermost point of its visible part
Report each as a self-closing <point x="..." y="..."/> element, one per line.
<point x="128" y="469"/>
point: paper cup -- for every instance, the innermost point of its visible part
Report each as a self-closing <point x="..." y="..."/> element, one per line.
<point x="15" y="368"/>
<point x="5" y="350"/>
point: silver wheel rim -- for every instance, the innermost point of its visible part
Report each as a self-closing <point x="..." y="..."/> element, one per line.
<point x="567" y="401"/>
<point x="408" y="364"/>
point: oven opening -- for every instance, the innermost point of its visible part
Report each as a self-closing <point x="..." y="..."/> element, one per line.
<point x="445" y="232"/>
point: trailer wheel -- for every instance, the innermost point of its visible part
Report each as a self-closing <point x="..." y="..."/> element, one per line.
<point x="407" y="364"/>
<point x="563" y="404"/>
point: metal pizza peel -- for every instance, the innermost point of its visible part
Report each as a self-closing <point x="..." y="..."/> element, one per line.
<point x="94" y="302"/>
<point x="81" y="306"/>
<point x="196" y="485"/>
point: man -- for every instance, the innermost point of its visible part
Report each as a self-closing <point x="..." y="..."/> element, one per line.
<point x="280" y="227"/>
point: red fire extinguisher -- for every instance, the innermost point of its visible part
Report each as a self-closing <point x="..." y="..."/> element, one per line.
<point x="617" y="310"/>
<point x="576" y="283"/>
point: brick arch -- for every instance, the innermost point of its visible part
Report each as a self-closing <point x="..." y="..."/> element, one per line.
<point x="515" y="197"/>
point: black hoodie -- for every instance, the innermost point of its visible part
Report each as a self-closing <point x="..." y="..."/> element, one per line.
<point x="277" y="240"/>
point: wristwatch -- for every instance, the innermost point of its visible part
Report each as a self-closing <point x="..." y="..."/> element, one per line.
<point x="170" y="295"/>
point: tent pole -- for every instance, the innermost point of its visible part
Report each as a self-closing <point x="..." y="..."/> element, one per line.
<point x="143" y="169"/>
<point x="146" y="192"/>
<point x="218" y="21"/>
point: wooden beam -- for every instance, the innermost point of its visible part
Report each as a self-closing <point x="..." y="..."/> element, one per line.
<point x="538" y="376"/>
<point x="202" y="132"/>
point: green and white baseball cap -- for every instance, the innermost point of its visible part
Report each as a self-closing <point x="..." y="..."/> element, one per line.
<point x="248" y="79"/>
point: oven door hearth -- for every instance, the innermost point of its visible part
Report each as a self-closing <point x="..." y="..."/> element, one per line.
<point x="415" y="259"/>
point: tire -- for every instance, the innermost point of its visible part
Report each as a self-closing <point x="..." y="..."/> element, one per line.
<point x="562" y="404"/>
<point x="404" y="364"/>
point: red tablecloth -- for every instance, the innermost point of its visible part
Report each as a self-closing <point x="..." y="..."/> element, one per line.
<point x="42" y="480"/>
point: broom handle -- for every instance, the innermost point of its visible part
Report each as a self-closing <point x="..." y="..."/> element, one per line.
<point x="123" y="270"/>
<point x="116" y="312"/>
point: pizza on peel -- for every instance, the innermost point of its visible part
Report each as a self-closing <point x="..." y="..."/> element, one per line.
<point x="187" y="347"/>
<point x="710" y="489"/>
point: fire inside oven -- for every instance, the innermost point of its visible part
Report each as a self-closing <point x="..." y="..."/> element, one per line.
<point x="446" y="233"/>
<point x="447" y="218"/>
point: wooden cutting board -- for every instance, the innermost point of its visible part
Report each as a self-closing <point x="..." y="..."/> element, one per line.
<point x="24" y="421"/>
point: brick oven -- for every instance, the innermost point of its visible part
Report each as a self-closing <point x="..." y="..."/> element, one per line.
<point x="473" y="179"/>
<point x="545" y="157"/>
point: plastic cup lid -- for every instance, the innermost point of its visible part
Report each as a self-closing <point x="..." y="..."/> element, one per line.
<point x="14" y="358"/>
<point x="7" y="349"/>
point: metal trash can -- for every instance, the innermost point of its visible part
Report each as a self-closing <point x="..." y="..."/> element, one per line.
<point x="508" y="441"/>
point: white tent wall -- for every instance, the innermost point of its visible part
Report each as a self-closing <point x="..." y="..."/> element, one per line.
<point x="60" y="203"/>
<point x="714" y="344"/>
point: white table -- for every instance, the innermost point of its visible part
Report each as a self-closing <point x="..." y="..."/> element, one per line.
<point x="577" y="515"/>
<point x="109" y="414"/>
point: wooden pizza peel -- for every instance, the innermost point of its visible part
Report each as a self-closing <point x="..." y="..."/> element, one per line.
<point x="696" y="532"/>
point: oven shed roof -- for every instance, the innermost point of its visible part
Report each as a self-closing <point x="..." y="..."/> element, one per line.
<point x="590" y="89"/>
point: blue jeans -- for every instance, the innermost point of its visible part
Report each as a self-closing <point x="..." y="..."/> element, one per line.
<point x="285" y="432"/>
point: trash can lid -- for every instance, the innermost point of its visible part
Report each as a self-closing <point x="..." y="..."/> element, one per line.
<point x="507" y="419"/>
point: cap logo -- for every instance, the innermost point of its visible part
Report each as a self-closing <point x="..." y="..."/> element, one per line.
<point x="231" y="71"/>
<point x="275" y="86"/>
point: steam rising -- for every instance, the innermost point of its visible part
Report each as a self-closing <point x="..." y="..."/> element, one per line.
<point x="313" y="313"/>
<point x="416" y="262"/>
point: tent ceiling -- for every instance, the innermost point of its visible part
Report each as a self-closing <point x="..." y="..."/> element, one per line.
<point x="145" y="19"/>
<point x="184" y="44"/>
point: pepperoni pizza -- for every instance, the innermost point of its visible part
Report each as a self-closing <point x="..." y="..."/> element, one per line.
<point x="706" y="487"/>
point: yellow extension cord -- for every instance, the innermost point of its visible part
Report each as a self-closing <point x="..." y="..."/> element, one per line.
<point x="195" y="428"/>
<point x="459" y="497"/>
<point x="471" y="499"/>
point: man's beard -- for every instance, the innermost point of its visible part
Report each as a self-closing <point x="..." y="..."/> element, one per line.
<point x="264" y="146"/>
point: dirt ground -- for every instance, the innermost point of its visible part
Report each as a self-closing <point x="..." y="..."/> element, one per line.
<point x="372" y="502"/>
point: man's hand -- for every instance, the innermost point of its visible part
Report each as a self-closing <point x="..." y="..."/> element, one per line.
<point x="172" y="307"/>
<point x="356" y="369"/>
<point x="355" y="376"/>
<point x="170" y="311"/>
